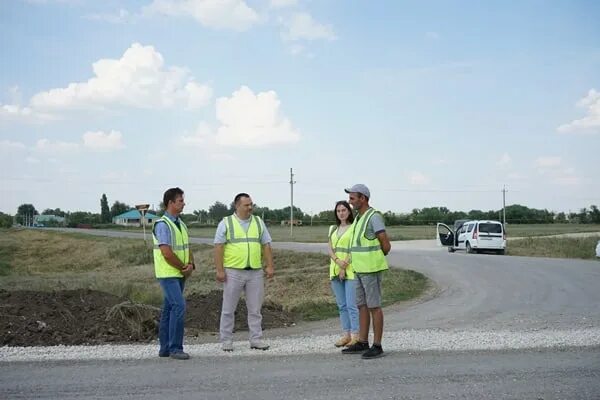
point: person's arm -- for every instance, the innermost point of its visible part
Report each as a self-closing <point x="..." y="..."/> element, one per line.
<point x="268" y="256"/>
<point x="378" y="225"/>
<point x="172" y="259"/>
<point x="267" y="251"/>
<point x="219" y="251"/>
<point x="384" y="242"/>
<point x="163" y="236"/>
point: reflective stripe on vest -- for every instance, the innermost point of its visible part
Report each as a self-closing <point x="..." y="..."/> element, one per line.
<point x="180" y="245"/>
<point x="367" y="256"/>
<point x="243" y="249"/>
<point x="341" y="248"/>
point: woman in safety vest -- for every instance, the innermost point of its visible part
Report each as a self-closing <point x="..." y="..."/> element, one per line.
<point x="341" y="274"/>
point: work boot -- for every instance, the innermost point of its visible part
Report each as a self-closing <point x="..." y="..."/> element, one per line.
<point x="227" y="346"/>
<point x="180" y="356"/>
<point x="259" y="345"/>
<point x="375" y="351"/>
<point x="356" y="348"/>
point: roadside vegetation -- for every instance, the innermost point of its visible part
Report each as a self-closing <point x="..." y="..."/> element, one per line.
<point x="41" y="260"/>
<point x="315" y="234"/>
<point x="563" y="247"/>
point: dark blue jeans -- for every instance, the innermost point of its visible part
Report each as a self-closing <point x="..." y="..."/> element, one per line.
<point x="172" y="317"/>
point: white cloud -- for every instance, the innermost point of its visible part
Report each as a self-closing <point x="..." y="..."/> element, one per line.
<point x="554" y="171"/>
<point x="8" y="146"/>
<point x="505" y="161"/>
<point x="249" y="120"/>
<point x="138" y="79"/>
<point x="548" y="162"/>
<point x="15" y="112"/>
<point x="49" y="147"/>
<point x="202" y="137"/>
<point x="591" y="122"/>
<point x="417" y="178"/>
<point x="283" y="3"/>
<point x="101" y="141"/>
<point x="302" y="26"/>
<point x="118" y="17"/>
<point x="218" y="14"/>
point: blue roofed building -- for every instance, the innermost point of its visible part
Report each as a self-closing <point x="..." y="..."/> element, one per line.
<point x="134" y="218"/>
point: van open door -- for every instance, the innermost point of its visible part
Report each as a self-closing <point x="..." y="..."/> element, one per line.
<point x="444" y="235"/>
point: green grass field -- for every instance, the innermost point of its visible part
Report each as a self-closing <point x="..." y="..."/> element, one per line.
<point x="46" y="260"/>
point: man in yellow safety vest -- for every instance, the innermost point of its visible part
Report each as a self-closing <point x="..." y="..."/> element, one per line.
<point x="241" y="242"/>
<point x="370" y="244"/>
<point x="173" y="263"/>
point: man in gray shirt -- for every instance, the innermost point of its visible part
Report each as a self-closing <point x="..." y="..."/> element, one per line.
<point x="241" y="242"/>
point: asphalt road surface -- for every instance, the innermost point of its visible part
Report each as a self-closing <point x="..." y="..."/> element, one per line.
<point x="492" y="327"/>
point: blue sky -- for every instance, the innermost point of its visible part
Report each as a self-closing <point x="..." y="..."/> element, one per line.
<point x="436" y="103"/>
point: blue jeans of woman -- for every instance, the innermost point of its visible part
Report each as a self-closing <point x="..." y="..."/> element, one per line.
<point x="172" y="316"/>
<point x="345" y="297"/>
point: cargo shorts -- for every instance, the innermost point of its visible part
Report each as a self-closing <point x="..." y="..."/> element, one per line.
<point x="368" y="289"/>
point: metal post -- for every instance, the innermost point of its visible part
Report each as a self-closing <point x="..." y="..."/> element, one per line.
<point x="504" y="206"/>
<point x="292" y="202"/>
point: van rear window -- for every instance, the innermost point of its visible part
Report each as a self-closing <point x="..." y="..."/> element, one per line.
<point x="490" y="228"/>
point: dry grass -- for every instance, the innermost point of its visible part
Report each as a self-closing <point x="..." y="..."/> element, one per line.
<point x="45" y="261"/>
<point x="564" y="247"/>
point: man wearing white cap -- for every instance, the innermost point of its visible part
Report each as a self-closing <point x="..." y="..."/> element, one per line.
<point x="370" y="244"/>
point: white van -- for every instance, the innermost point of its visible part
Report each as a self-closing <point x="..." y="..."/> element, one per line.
<point x="472" y="236"/>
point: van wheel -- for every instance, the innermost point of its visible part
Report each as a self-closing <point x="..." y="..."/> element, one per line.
<point x="469" y="248"/>
<point x="501" y="252"/>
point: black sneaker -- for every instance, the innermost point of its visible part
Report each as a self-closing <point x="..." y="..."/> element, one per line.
<point x="180" y="356"/>
<point x="356" y="348"/>
<point x="374" y="352"/>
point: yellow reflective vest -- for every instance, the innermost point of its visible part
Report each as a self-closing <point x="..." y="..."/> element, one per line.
<point x="243" y="249"/>
<point x="341" y="248"/>
<point x="180" y="245"/>
<point x="367" y="256"/>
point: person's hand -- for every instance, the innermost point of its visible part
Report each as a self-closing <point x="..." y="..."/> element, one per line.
<point x="187" y="270"/>
<point x="269" y="271"/>
<point x="221" y="276"/>
<point x="342" y="274"/>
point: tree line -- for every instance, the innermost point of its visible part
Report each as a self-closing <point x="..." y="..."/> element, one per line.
<point x="515" y="214"/>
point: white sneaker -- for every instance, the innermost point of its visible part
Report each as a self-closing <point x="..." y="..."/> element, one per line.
<point x="259" y="345"/>
<point x="227" y="346"/>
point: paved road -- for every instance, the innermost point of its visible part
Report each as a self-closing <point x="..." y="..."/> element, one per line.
<point x="538" y="321"/>
<point x="547" y="374"/>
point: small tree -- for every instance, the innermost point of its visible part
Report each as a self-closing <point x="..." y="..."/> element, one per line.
<point x="218" y="211"/>
<point x="104" y="210"/>
<point x="118" y="208"/>
<point x="25" y="213"/>
<point x="5" y="220"/>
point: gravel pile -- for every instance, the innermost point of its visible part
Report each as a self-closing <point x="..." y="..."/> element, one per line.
<point x="401" y="341"/>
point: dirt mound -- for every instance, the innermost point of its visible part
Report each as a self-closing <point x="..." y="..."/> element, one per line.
<point x="74" y="317"/>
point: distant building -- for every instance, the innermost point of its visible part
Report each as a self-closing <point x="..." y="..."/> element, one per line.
<point x="48" y="220"/>
<point x="134" y="218"/>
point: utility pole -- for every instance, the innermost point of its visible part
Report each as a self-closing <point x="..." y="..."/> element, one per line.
<point x="292" y="202"/>
<point x="504" y="206"/>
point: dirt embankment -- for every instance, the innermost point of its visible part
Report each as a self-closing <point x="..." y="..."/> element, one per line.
<point x="74" y="317"/>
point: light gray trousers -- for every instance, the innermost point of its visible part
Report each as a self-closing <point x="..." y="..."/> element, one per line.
<point x="251" y="282"/>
